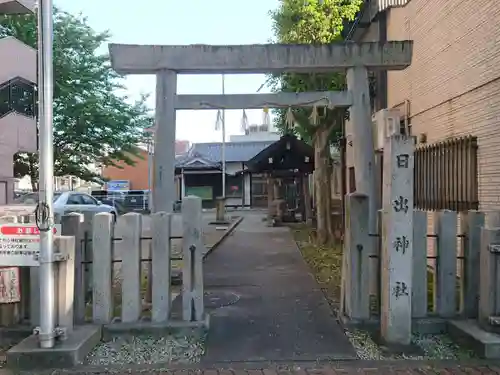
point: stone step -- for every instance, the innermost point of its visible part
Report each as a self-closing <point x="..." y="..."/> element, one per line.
<point x="470" y="334"/>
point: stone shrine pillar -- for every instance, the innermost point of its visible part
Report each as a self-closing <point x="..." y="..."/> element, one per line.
<point x="270" y="200"/>
<point x="220" y="210"/>
<point x="397" y="240"/>
<point x="362" y="143"/>
<point x="164" y="156"/>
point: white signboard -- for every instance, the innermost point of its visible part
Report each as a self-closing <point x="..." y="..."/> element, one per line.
<point x="118" y="185"/>
<point x="16" y="210"/>
<point x="10" y="291"/>
<point x="20" y="244"/>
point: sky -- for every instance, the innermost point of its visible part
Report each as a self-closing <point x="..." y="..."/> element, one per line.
<point x="186" y="22"/>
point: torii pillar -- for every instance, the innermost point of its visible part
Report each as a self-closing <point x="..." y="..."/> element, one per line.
<point x="164" y="156"/>
<point x="167" y="61"/>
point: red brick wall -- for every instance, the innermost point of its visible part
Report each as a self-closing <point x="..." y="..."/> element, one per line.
<point x="137" y="174"/>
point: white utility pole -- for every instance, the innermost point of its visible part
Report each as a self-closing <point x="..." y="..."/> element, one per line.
<point x="223" y="142"/>
<point x="44" y="211"/>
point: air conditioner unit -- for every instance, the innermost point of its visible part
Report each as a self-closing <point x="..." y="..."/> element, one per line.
<point x="386" y="122"/>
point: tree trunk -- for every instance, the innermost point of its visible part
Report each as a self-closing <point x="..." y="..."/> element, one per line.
<point x="321" y="184"/>
<point x="328" y="196"/>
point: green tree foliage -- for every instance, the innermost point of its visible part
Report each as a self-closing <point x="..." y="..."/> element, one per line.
<point x="310" y="22"/>
<point x="93" y="123"/>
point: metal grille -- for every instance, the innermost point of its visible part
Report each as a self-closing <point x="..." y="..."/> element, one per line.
<point x="446" y="175"/>
<point x="385" y="4"/>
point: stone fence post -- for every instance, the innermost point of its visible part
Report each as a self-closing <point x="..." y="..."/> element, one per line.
<point x="356" y="259"/>
<point x="72" y="224"/>
<point x="131" y="268"/>
<point x="489" y="258"/>
<point x="102" y="268"/>
<point x="471" y="224"/>
<point x="445" y="227"/>
<point x="161" y="252"/>
<point x="192" y="258"/>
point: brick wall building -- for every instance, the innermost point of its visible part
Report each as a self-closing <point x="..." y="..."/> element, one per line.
<point x="137" y="174"/>
<point x="452" y="87"/>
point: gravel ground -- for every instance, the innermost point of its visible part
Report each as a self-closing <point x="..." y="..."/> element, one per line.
<point x="432" y="346"/>
<point x="142" y="350"/>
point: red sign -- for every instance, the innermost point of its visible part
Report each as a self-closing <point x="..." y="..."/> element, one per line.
<point x="21" y="230"/>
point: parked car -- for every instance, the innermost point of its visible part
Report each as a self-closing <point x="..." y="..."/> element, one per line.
<point x="71" y="201"/>
<point x="119" y="207"/>
<point x="113" y="195"/>
<point x="137" y="200"/>
<point x="18" y="194"/>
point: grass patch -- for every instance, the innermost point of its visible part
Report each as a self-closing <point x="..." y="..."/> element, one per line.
<point x="325" y="262"/>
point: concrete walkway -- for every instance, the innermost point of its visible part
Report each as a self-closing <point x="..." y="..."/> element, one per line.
<point x="264" y="303"/>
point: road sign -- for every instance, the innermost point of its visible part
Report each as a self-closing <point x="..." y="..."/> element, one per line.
<point x="20" y="244"/>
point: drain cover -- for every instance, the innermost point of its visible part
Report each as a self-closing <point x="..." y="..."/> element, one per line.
<point x="217" y="299"/>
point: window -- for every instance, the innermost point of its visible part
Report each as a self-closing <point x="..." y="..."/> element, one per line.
<point x="234" y="186"/>
<point x="87" y="199"/>
<point x="259" y="186"/>
<point x="75" y="199"/>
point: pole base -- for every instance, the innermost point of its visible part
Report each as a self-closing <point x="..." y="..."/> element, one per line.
<point x="28" y="355"/>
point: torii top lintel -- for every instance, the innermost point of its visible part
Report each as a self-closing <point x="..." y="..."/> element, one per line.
<point x="260" y="58"/>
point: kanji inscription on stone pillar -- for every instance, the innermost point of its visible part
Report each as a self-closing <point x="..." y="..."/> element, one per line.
<point x="397" y="240"/>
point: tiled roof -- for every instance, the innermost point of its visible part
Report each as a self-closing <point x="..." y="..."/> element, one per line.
<point x="195" y="160"/>
<point x="235" y="151"/>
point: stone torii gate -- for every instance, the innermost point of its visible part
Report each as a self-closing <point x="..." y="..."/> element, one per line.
<point x="166" y="62"/>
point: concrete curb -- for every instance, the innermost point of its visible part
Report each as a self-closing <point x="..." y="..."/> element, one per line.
<point x="229" y="230"/>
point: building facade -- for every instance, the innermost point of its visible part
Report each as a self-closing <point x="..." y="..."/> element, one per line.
<point x="256" y="133"/>
<point x="200" y="173"/>
<point x="18" y="74"/>
<point x="138" y="173"/>
<point x="452" y="88"/>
